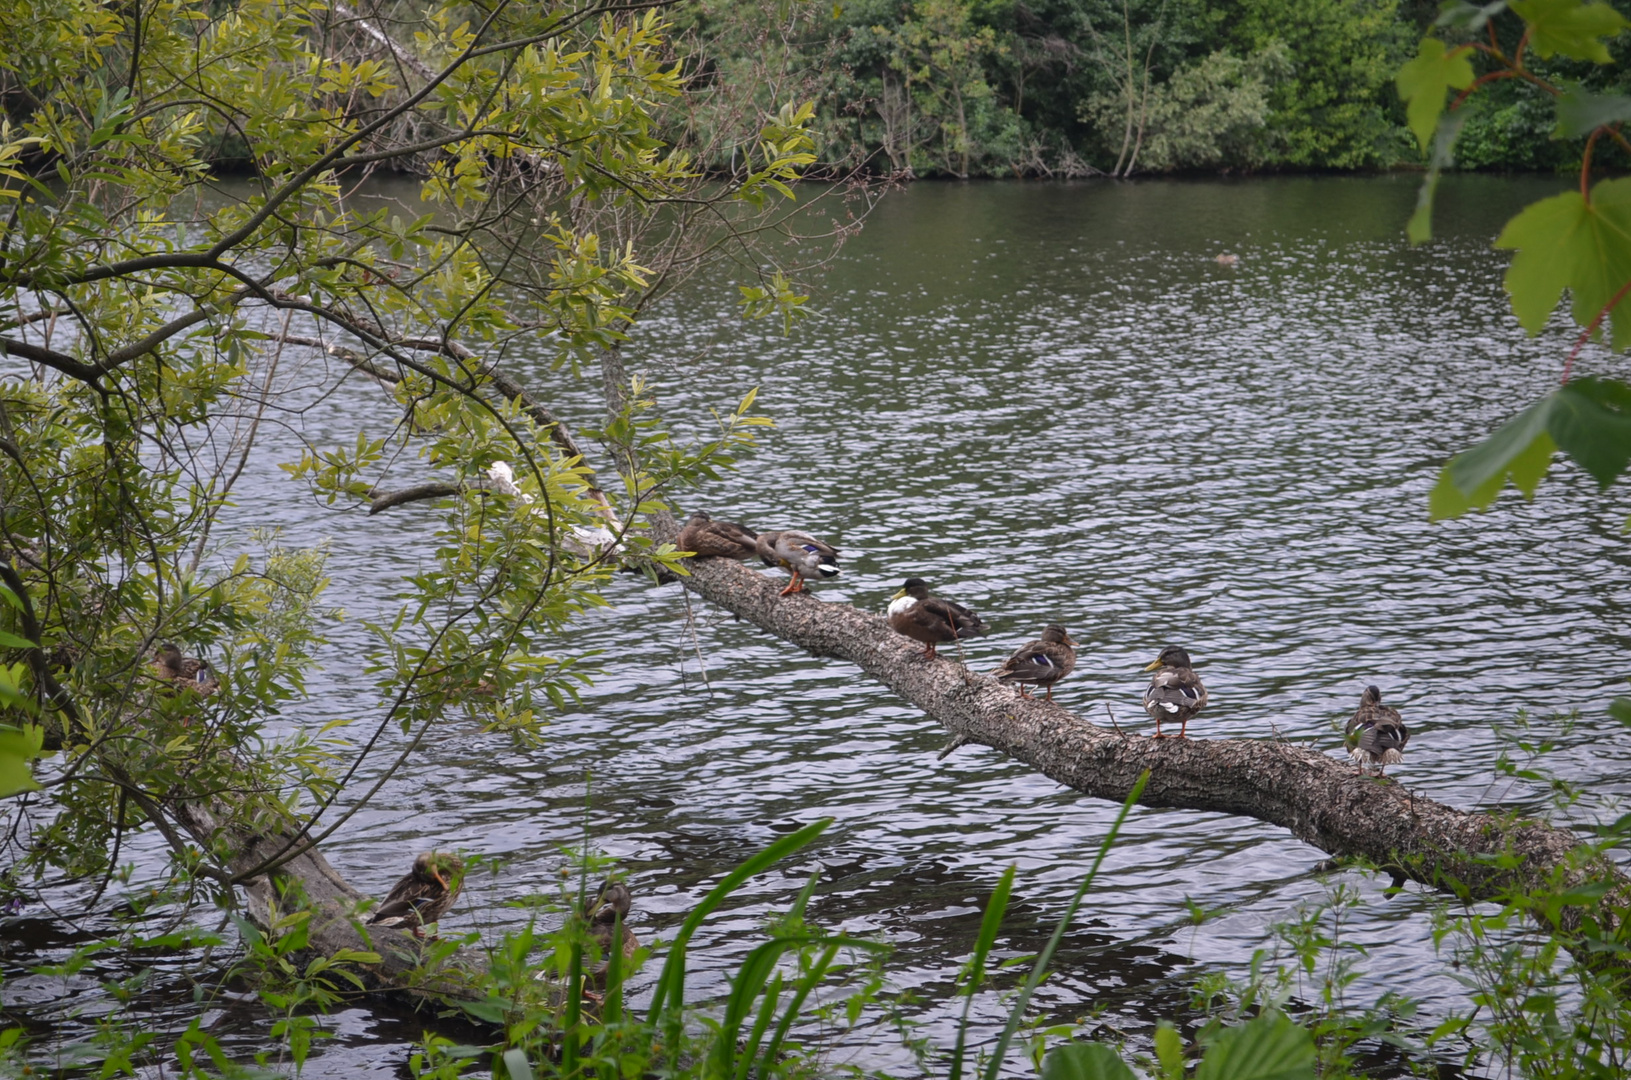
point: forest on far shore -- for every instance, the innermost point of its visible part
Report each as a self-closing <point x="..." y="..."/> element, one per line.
<point x="1072" y="88"/>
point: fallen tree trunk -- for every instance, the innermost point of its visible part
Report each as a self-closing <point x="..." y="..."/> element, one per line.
<point x="1320" y="800"/>
<point x="307" y="882"/>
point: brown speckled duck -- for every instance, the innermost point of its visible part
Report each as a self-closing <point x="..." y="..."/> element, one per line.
<point x="929" y="619"/>
<point x="1042" y="662"/>
<point x="183" y="672"/>
<point x="608" y="913"/>
<point x="1376" y="735"/>
<point x="1175" y="691"/>
<point x="424" y="896"/>
<point x="704" y="537"/>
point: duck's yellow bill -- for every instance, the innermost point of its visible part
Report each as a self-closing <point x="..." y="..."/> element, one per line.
<point x="1152" y="665"/>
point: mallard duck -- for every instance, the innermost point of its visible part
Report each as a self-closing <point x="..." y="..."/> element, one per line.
<point x="929" y="619"/>
<point x="705" y="537"/>
<point x="1175" y="691"/>
<point x="800" y="554"/>
<point x="424" y="896"/>
<point x="1042" y="662"/>
<point x="608" y="913"/>
<point x="1376" y="735"/>
<point x="183" y="672"/>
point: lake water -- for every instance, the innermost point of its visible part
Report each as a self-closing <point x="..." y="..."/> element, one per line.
<point x="1055" y="405"/>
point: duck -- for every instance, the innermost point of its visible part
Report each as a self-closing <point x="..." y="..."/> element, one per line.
<point x="183" y="672"/>
<point x="929" y="619"/>
<point x="800" y="554"/>
<point x="1175" y="691"/>
<point x="1376" y="735"/>
<point x="424" y="895"/>
<point x="1042" y="662"/>
<point x="607" y="914"/>
<point x="704" y="537"/>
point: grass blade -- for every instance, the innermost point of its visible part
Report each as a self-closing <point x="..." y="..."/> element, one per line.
<point x="1016" y="1015"/>
<point x="670" y="993"/>
<point x="989" y="926"/>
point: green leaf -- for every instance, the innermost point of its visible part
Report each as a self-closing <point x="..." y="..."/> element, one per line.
<point x="1269" y="1047"/>
<point x="1423" y="81"/>
<point x="1085" y="1061"/>
<point x="515" y="1063"/>
<point x="1420" y="227"/>
<point x="1621" y="710"/>
<point x="18" y="747"/>
<point x="1520" y="449"/>
<point x="1469" y="18"/>
<point x="1570" y="27"/>
<point x="1591" y="422"/>
<point x="1169" y="1050"/>
<point x="1580" y="111"/>
<point x="1566" y="243"/>
<point x="12" y="641"/>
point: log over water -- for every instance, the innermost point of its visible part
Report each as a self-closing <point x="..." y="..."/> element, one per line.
<point x="1321" y="800"/>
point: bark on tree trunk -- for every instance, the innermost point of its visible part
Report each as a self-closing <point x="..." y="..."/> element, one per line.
<point x="308" y="882"/>
<point x="1319" y="799"/>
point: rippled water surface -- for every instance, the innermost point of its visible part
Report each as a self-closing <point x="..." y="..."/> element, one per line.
<point x="1054" y="404"/>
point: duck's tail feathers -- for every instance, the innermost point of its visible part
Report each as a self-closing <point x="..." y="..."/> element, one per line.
<point x="828" y="569"/>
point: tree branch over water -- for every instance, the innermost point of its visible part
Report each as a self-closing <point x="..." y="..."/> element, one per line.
<point x="1319" y="799"/>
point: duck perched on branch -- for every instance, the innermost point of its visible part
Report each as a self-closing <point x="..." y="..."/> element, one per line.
<point x="704" y="537"/>
<point x="929" y="619"/>
<point x="1376" y="735"/>
<point x="1175" y="691"/>
<point x="1042" y="662"/>
<point x="424" y="895"/>
<point x="183" y="672"/>
<point x="800" y="554"/>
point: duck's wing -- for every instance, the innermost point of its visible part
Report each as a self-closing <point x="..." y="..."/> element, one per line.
<point x="1386" y="735"/>
<point x="1039" y="661"/>
<point x="1174" y="691"/>
<point x="957" y="620"/>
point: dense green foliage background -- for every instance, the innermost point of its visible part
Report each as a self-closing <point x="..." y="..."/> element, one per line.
<point x="1078" y="87"/>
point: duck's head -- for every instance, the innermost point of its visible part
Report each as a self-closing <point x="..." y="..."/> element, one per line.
<point x="1057" y="635"/>
<point x="612" y="901"/>
<point x="699" y="517"/>
<point x="438" y="867"/>
<point x="914" y="587"/>
<point x="1171" y="656"/>
<point x="1371" y="696"/>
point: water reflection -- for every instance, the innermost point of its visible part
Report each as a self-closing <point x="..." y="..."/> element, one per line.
<point x="1053" y="404"/>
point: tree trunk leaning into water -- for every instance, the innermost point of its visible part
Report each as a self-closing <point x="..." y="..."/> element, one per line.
<point x="1320" y="800"/>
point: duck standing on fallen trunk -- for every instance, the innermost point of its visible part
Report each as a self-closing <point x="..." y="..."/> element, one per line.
<point x="1175" y="691"/>
<point x="929" y="619"/>
<point x="424" y="895"/>
<point x="800" y="554"/>
<point x="704" y="537"/>
<point x="1376" y="735"/>
<point x="1042" y="662"/>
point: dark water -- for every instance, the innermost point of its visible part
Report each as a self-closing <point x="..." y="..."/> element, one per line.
<point x="1055" y="405"/>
